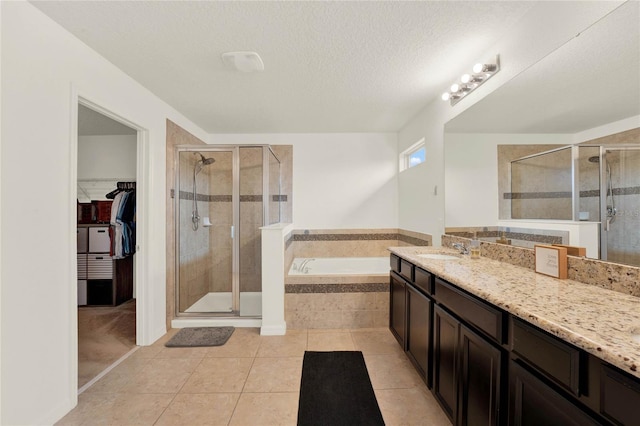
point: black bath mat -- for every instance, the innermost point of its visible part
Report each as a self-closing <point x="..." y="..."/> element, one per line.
<point x="200" y="336"/>
<point x="336" y="390"/>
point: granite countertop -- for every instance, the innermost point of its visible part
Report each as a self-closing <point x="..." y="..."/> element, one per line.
<point x="599" y="321"/>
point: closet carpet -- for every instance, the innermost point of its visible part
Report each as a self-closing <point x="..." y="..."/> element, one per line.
<point x="105" y="334"/>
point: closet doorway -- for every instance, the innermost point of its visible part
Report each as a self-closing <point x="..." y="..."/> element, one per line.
<point x="106" y="235"/>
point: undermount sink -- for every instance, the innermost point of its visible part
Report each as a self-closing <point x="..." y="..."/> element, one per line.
<point x="438" y="256"/>
<point x="635" y="334"/>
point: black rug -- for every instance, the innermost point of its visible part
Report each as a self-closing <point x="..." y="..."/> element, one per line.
<point x="200" y="336"/>
<point x="336" y="390"/>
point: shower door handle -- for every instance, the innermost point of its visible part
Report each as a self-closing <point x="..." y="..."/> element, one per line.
<point x="233" y="232"/>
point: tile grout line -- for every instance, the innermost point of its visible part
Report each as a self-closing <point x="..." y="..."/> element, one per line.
<point x="255" y="355"/>
<point x="181" y="387"/>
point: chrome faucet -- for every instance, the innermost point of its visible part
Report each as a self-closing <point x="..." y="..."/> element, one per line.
<point x="303" y="266"/>
<point x="461" y="247"/>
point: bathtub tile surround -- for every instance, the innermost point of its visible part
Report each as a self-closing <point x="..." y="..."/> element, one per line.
<point x="610" y="276"/>
<point x="341" y="301"/>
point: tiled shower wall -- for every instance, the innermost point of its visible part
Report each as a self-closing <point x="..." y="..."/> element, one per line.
<point x="176" y="135"/>
<point x="206" y="253"/>
<point x="623" y="239"/>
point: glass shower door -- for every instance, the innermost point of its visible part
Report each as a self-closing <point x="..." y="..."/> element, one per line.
<point x="205" y="249"/>
<point x="620" y="206"/>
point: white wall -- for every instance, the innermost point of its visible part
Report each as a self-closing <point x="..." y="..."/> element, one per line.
<point x="43" y="68"/>
<point x="103" y="161"/>
<point x="520" y="47"/>
<point x="607" y="129"/>
<point x="340" y="180"/>
<point x="471" y="174"/>
<point x="107" y="156"/>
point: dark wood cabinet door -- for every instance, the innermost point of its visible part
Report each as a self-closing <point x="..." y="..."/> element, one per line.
<point x="418" y="331"/>
<point x="398" y="309"/>
<point x="445" y="355"/>
<point x="533" y="403"/>
<point x="479" y="396"/>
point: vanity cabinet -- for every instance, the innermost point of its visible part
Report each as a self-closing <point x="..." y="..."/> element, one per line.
<point x="398" y="308"/>
<point x="533" y="402"/>
<point x="467" y="367"/>
<point x="411" y="313"/>
<point x="445" y="356"/>
<point x="418" y="329"/>
<point x="487" y="367"/>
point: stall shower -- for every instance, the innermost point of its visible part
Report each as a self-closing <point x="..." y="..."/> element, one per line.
<point x="584" y="182"/>
<point x="225" y="194"/>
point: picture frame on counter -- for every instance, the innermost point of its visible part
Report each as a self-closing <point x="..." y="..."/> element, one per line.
<point x="551" y="261"/>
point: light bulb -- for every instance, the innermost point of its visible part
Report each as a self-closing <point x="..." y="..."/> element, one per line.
<point x="446" y="96"/>
<point x="455" y="88"/>
<point x="477" y="68"/>
<point x="465" y="78"/>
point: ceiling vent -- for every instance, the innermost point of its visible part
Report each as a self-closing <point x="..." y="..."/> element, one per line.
<point x="243" y="61"/>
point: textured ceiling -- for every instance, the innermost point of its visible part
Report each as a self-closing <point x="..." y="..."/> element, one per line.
<point x="92" y="123"/>
<point x="329" y="66"/>
<point x="592" y="80"/>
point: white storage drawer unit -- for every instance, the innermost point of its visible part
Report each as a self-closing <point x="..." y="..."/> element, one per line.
<point x="99" y="266"/>
<point x="99" y="241"/>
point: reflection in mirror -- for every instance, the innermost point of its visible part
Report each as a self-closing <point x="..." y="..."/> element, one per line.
<point x="574" y="94"/>
<point x="542" y="186"/>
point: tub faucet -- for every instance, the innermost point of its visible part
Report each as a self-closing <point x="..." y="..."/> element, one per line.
<point x="303" y="266"/>
<point x="461" y="248"/>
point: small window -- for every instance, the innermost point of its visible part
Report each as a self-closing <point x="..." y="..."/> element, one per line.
<point x="413" y="155"/>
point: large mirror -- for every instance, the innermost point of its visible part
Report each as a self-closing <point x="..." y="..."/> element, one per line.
<point x="504" y="163"/>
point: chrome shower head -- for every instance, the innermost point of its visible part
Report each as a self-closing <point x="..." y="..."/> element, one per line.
<point x="206" y="161"/>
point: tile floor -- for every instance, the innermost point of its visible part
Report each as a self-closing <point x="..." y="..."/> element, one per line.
<point x="251" y="380"/>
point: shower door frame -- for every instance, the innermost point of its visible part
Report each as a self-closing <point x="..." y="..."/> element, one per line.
<point x="603" y="191"/>
<point x="235" y="245"/>
<point x="235" y="149"/>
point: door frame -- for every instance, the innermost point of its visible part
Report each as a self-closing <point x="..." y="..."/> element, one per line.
<point x="143" y="286"/>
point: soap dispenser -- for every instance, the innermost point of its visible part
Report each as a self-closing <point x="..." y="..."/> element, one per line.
<point x="474" y="247"/>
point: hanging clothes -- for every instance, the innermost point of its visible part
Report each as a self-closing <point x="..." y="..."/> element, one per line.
<point x="122" y="229"/>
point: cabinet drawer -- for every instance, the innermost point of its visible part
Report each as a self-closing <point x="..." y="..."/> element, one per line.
<point x="99" y="266"/>
<point x="406" y="270"/>
<point x="476" y="312"/>
<point x="82" y="266"/>
<point x="620" y="396"/>
<point x="99" y="241"/>
<point x="423" y="280"/>
<point x="394" y="263"/>
<point x="556" y="359"/>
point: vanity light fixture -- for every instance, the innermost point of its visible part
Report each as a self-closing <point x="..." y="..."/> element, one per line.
<point x="470" y="82"/>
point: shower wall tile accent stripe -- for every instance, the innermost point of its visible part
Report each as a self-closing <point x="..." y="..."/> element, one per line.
<point x="632" y="190"/>
<point x="186" y="195"/>
<point x="337" y="288"/>
<point x="536" y="195"/>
